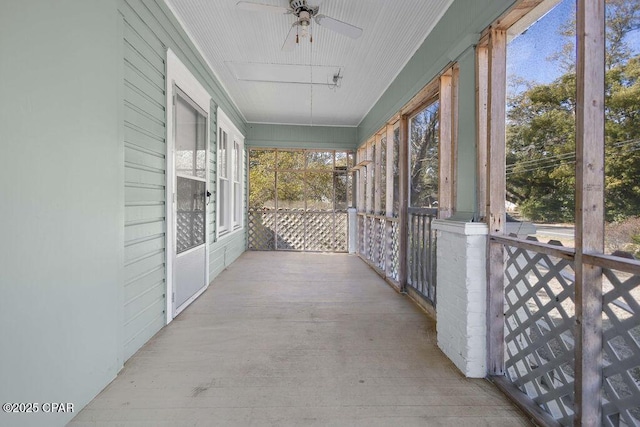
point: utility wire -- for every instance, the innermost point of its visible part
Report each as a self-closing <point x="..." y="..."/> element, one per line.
<point x="558" y="159"/>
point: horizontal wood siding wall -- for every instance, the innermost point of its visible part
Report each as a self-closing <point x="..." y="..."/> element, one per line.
<point x="145" y="163"/>
<point x="149" y="28"/>
<point x="294" y="136"/>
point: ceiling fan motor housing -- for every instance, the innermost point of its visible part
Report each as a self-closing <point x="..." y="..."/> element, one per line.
<point x="300" y="6"/>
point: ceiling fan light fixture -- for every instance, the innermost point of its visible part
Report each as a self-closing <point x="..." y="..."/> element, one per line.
<point x="304" y="22"/>
<point x="304" y="11"/>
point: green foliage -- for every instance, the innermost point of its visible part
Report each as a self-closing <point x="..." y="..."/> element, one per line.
<point x="622" y="17"/>
<point x="540" y="147"/>
<point x="305" y="179"/>
<point x="261" y="179"/>
<point x="541" y="131"/>
<point x="541" y="144"/>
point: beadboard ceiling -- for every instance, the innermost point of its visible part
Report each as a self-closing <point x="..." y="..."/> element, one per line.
<point x="269" y="85"/>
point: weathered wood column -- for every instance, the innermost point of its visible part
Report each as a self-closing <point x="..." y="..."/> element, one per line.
<point x="589" y="209"/>
<point x="482" y="93"/>
<point x="496" y="190"/>
<point x="403" y="167"/>
<point x="388" y="204"/>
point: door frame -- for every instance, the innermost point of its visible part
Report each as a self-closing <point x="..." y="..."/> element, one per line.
<point x="179" y="75"/>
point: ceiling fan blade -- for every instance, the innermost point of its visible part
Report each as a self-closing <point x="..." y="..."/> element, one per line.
<point x="339" y="26"/>
<point x="290" y="41"/>
<point x="314" y="3"/>
<point x="259" y="7"/>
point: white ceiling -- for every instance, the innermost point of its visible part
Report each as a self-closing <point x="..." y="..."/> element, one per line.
<point x="269" y="85"/>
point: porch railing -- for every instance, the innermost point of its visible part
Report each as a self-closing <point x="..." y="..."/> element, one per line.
<point x="421" y="253"/>
<point x="379" y="244"/>
<point x="539" y="330"/>
<point x="297" y="230"/>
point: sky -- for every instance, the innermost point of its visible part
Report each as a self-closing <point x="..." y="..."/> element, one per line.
<point x="527" y="54"/>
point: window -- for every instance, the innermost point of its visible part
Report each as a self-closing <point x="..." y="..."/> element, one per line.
<point x="230" y="176"/>
<point x="190" y="166"/>
<point x="223" y="183"/>
<point x="237" y="189"/>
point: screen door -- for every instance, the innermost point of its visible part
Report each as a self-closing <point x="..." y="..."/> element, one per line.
<point x="190" y="200"/>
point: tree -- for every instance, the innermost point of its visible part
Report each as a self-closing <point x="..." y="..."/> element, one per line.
<point x="622" y="16"/>
<point x="305" y="179"/>
<point x="540" y="147"/>
<point x="424" y="139"/>
<point x="622" y="143"/>
<point x="541" y="130"/>
<point x="541" y="144"/>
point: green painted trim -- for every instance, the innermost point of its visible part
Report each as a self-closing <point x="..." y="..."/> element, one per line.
<point x="295" y="136"/>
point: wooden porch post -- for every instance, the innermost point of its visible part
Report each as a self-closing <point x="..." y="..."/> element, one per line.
<point x="403" y="166"/>
<point x="455" y="82"/>
<point x="370" y="168"/>
<point x="377" y="198"/>
<point x="482" y="77"/>
<point x="361" y="180"/>
<point x="496" y="188"/>
<point x="445" y="152"/>
<point x="361" y="200"/>
<point x="388" y="204"/>
<point x="589" y="209"/>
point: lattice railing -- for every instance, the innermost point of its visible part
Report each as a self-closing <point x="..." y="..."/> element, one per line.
<point x="341" y="228"/>
<point x="539" y="323"/>
<point x="372" y="239"/>
<point x="393" y="269"/>
<point x="539" y="317"/>
<point x="362" y="247"/>
<point x="297" y="230"/>
<point x="260" y="231"/>
<point x="290" y="230"/>
<point x="621" y="345"/>
<point x="379" y="244"/>
<point x="380" y="230"/>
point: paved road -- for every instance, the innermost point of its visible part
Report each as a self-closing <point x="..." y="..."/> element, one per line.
<point x="554" y="230"/>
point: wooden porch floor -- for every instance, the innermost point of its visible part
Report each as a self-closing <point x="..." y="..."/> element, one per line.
<point x="292" y="339"/>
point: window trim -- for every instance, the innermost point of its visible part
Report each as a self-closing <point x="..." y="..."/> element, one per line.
<point x="235" y="201"/>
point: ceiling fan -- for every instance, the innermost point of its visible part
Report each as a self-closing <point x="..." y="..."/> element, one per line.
<point x="303" y="10"/>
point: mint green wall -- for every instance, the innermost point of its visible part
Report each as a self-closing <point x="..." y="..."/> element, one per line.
<point x="451" y="40"/>
<point x="61" y="198"/>
<point x="292" y="136"/>
<point x="73" y="177"/>
<point x="466" y="171"/>
<point x="149" y="28"/>
<point x="82" y="206"/>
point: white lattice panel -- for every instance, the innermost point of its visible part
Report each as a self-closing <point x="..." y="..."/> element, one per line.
<point x="395" y="250"/>
<point x="621" y="345"/>
<point x="539" y="319"/>
<point x="297" y="230"/>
